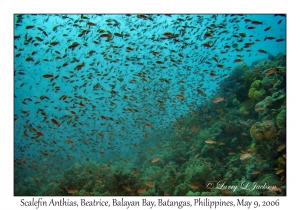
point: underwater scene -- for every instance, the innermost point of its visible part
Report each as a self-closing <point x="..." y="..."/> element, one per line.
<point x="149" y="104"/>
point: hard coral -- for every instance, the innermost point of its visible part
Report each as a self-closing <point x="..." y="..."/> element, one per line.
<point x="264" y="130"/>
<point x="256" y="84"/>
<point x="256" y="131"/>
<point x="255" y="93"/>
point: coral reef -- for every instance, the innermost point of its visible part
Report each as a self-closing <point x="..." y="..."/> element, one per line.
<point x="251" y="120"/>
<point x="190" y="193"/>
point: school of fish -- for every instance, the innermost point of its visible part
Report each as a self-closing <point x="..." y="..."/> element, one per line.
<point x="111" y="88"/>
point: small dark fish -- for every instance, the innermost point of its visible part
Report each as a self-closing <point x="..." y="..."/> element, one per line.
<point x="29" y="59"/>
<point x="55" y="122"/>
<point x="251" y="27"/>
<point x="40" y="29"/>
<point x="78" y="67"/>
<point x="280" y="15"/>
<point x="266" y="29"/>
<point x="29" y="27"/>
<point x="39" y="38"/>
<point x="54" y="43"/>
<point x="201" y="92"/>
<point x="118" y="34"/>
<point x="269" y="38"/>
<point x="279" y="40"/>
<point x="55" y="27"/>
<point x="262" y="51"/>
<point x="256" y="22"/>
<point x="237" y="60"/>
<point x="91" y="24"/>
<point x="279" y="21"/>
<point x="73" y="46"/>
<point x="48" y="75"/>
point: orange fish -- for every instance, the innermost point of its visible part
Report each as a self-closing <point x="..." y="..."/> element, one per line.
<point x="244" y="156"/>
<point x="226" y="192"/>
<point x="262" y="51"/>
<point x="281" y="147"/>
<point x="72" y="191"/>
<point x="155" y="160"/>
<point x="279" y="171"/>
<point x="69" y="142"/>
<point x="255" y="172"/>
<point x="168" y="34"/>
<point x="270" y="71"/>
<point x="141" y="190"/>
<point x="63" y="97"/>
<point x="207" y="45"/>
<point x="73" y="46"/>
<point x="275" y="188"/>
<point x="256" y="71"/>
<point x="91" y="24"/>
<point x="219" y="99"/>
<point x="213" y="74"/>
<point x="201" y="92"/>
<point x="207" y="35"/>
<point x="48" y="75"/>
<point x="127" y="188"/>
<point x="194" y="186"/>
<point x="256" y="22"/>
<point x="39" y="134"/>
<point x="237" y="60"/>
<point x="250" y="149"/>
<point x="180" y="97"/>
<point x="55" y="122"/>
<point x="259" y="108"/>
<point x="149" y="184"/>
<point x="210" y="141"/>
<point x="194" y="128"/>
